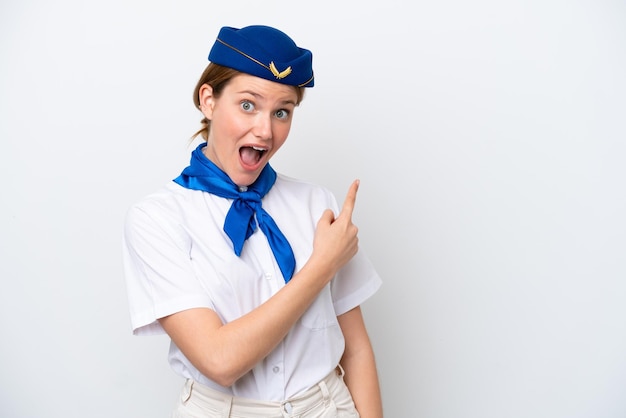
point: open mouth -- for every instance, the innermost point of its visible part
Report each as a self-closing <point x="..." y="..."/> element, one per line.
<point x="251" y="155"/>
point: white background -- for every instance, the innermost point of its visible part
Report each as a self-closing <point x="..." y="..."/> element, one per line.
<point x="489" y="137"/>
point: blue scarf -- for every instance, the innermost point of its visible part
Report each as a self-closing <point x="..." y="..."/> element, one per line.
<point x="202" y="174"/>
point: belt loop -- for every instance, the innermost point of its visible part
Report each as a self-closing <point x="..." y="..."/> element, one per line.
<point x="340" y="371"/>
<point x="188" y="389"/>
<point x="228" y="403"/>
<point x="325" y="393"/>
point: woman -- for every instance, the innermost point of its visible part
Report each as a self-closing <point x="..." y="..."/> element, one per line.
<point x="256" y="277"/>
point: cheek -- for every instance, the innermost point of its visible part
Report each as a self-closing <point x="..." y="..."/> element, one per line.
<point x="281" y="132"/>
<point x="228" y="127"/>
<point x="279" y="138"/>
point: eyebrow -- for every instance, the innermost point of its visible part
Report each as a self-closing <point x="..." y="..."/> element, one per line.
<point x="284" y="102"/>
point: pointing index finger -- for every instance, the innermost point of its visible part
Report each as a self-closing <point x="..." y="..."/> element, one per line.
<point x="348" y="204"/>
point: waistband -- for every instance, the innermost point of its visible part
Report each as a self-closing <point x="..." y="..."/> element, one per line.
<point x="235" y="406"/>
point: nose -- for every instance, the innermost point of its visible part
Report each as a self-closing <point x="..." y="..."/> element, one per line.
<point x="263" y="126"/>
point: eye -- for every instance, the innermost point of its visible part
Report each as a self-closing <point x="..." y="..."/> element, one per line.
<point x="247" y="106"/>
<point x="282" y="114"/>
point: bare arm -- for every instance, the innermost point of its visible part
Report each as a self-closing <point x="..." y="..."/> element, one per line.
<point x="360" y="366"/>
<point x="225" y="352"/>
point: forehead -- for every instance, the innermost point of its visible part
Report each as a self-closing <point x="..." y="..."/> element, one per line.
<point x="261" y="88"/>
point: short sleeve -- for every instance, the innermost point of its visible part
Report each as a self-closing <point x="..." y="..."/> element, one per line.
<point x="356" y="282"/>
<point x="159" y="276"/>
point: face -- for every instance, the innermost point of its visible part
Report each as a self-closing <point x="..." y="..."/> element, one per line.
<point x="250" y="121"/>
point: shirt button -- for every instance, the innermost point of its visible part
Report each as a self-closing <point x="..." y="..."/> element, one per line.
<point x="288" y="408"/>
<point x="268" y="275"/>
<point x="276" y="369"/>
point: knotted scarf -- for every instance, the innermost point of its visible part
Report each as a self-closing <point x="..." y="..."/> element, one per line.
<point x="240" y="224"/>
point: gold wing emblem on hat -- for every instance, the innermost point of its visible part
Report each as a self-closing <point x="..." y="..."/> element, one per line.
<point x="279" y="74"/>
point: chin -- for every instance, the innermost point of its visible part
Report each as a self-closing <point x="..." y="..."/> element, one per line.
<point x="245" y="180"/>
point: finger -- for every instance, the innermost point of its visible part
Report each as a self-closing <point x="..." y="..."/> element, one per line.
<point x="328" y="217"/>
<point x="348" y="204"/>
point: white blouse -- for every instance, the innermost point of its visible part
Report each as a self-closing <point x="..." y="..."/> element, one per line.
<point x="177" y="257"/>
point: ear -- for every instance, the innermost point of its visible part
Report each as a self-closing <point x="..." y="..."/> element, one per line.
<point x="206" y="100"/>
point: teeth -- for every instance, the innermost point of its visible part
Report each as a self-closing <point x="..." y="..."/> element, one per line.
<point x="258" y="149"/>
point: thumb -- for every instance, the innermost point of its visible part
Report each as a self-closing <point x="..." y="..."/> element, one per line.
<point x="328" y="217"/>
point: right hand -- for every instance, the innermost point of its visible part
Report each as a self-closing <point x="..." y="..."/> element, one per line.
<point x="336" y="240"/>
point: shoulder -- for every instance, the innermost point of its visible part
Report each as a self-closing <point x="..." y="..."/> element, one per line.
<point x="171" y="197"/>
<point x="165" y="205"/>
<point x="161" y="216"/>
<point x="301" y="189"/>
<point x="165" y="199"/>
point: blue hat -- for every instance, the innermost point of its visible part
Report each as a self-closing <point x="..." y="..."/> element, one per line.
<point x="264" y="52"/>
